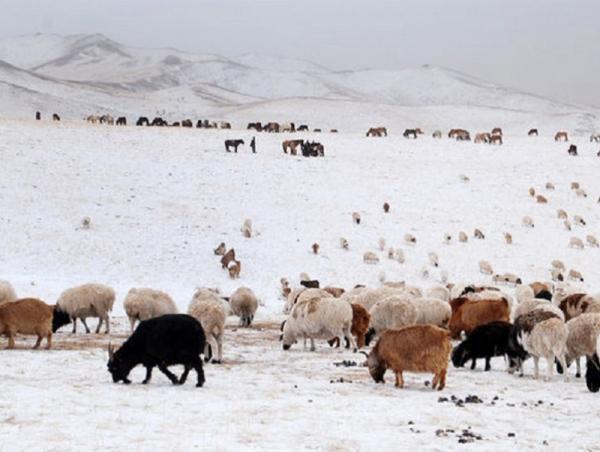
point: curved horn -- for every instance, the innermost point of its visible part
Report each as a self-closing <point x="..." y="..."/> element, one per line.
<point x="364" y="353"/>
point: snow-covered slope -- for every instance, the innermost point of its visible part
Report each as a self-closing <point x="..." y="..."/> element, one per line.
<point x="135" y="80"/>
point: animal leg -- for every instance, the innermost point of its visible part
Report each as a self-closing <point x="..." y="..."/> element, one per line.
<point x="536" y="364"/>
<point x="335" y="342"/>
<point x="563" y="363"/>
<point x="49" y="341"/>
<point x="148" y="375"/>
<point x="207" y="352"/>
<point x="435" y="380"/>
<point x="312" y="345"/>
<point x="442" y="382"/>
<point x="399" y="379"/>
<point x="74" y="325"/>
<point x="87" y="330"/>
<point x="197" y="363"/>
<point x="349" y="338"/>
<point x="170" y="375"/>
<point x="184" y="375"/>
<point x="578" y="362"/>
<point x="214" y="348"/>
<point x="487" y="364"/>
<point x="38" y="342"/>
<point x="473" y="363"/>
<point x="107" y="320"/>
<point x="99" y="325"/>
<point x="550" y="365"/>
<point x="11" y="340"/>
<point x="219" y="359"/>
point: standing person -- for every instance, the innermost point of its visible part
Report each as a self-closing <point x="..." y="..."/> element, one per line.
<point x="253" y="145"/>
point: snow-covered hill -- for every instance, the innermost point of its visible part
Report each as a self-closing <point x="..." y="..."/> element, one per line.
<point x="82" y="74"/>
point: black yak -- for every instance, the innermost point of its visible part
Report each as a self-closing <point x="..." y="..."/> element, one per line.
<point x="162" y="341"/>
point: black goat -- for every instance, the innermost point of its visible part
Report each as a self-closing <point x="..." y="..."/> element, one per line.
<point x="485" y="341"/>
<point x="162" y="341"/>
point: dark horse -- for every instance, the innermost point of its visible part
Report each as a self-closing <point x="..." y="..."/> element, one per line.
<point x="142" y="121"/>
<point x="55" y="117"/>
<point x="233" y="144"/>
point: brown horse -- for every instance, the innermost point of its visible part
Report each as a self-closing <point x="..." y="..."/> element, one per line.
<point x="121" y="121"/>
<point x="187" y="123"/>
<point x="292" y="146"/>
<point x="496" y="139"/>
<point x="254" y="125"/>
<point x="561" y="136"/>
<point x="497" y="131"/>
<point x="302" y="128"/>
<point x="55" y="117"/>
<point x="572" y="150"/>
<point x="377" y="132"/>
<point x="233" y="144"/>
<point x="272" y="127"/>
<point x="459" y="134"/>
<point x="482" y="138"/>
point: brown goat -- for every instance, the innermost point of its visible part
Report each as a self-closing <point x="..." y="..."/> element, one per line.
<point x="220" y="250"/>
<point x="29" y="316"/>
<point x="469" y="314"/>
<point x="360" y="325"/>
<point x="227" y="258"/>
<point x="416" y="348"/>
<point x="234" y="269"/>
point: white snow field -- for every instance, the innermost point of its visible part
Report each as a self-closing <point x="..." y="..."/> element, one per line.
<point x="160" y="200"/>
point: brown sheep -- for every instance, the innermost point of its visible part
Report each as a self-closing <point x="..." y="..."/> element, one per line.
<point x="360" y="325"/>
<point x="469" y="314"/>
<point x="234" y="269"/>
<point x="416" y="348"/>
<point x="227" y="258"/>
<point x="540" y="199"/>
<point x="30" y="316"/>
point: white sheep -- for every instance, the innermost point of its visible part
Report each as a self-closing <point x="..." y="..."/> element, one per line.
<point x="592" y="241"/>
<point x="508" y="238"/>
<point x="7" y="293"/>
<point x="547" y="339"/>
<point x="576" y="242"/>
<point x="87" y="300"/>
<point x="557" y="275"/>
<point x="343" y="243"/>
<point x="439" y="292"/>
<point x="464" y="178"/>
<point x="302" y="294"/>
<point x="143" y="304"/>
<point x="447" y="238"/>
<point x="356" y="217"/>
<point x="243" y="303"/>
<point x="549" y="186"/>
<point x="562" y="215"/>
<point x="246" y="228"/>
<point x="400" y="256"/>
<point x="369" y="297"/>
<point x="575" y="275"/>
<point x="558" y="265"/>
<point x="433" y="311"/>
<point x="370" y="258"/>
<point x="578" y="220"/>
<point x="523" y="293"/>
<point x="584" y="331"/>
<point x="318" y="318"/>
<point x="580" y="192"/>
<point x="209" y="309"/>
<point x="433" y="259"/>
<point x="531" y="191"/>
<point x="391" y="253"/>
<point x="410" y="239"/>
<point x="391" y="312"/>
<point x="528" y="222"/>
<point x="567" y="225"/>
<point x="463" y="237"/>
<point x="485" y="267"/>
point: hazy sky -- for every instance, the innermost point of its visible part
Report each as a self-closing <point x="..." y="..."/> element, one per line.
<point x="547" y="47"/>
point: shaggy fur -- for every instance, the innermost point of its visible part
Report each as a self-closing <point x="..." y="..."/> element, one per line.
<point x="395" y="311"/>
<point x="418" y="348"/>
<point x="143" y="304"/>
<point x="360" y="326"/>
<point x="7" y="293"/>
<point x="210" y="311"/>
<point x="88" y="300"/>
<point x="244" y="304"/>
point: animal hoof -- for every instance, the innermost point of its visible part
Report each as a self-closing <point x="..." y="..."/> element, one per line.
<point x="199" y="385"/>
<point x="216" y="361"/>
<point x="577" y="375"/>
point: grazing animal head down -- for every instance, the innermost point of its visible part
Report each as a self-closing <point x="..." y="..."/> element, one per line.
<point x="460" y="355"/>
<point x="376" y="366"/>
<point x="117" y="366"/>
<point x="59" y="318"/>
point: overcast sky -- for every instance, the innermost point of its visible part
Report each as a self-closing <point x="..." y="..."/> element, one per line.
<point x="547" y="47"/>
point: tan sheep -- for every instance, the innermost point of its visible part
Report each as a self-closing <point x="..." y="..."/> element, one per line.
<point x="434" y="260"/>
<point x="410" y="239"/>
<point x="143" y="304"/>
<point x="462" y="237"/>
<point x="370" y="258"/>
<point x="243" y="303"/>
<point x="527" y="222"/>
<point x="246" y="228"/>
<point x="576" y="243"/>
<point x="343" y="243"/>
<point x="550" y="186"/>
<point x="574" y="275"/>
<point x="87" y="300"/>
<point x="210" y="311"/>
<point x="508" y="238"/>
<point x="485" y="267"/>
<point x="562" y="214"/>
<point x="592" y="241"/>
<point x="531" y="192"/>
<point x="356" y="217"/>
<point x="540" y="199"/>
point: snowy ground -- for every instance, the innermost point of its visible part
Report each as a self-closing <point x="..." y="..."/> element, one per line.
<point x="161" y="199"/>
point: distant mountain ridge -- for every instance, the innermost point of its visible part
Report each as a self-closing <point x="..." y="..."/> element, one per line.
<point x="83" y="71"/>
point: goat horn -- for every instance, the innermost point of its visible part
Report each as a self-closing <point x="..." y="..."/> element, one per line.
<point x="364" y="353"/>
